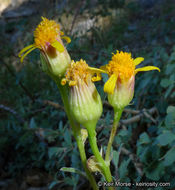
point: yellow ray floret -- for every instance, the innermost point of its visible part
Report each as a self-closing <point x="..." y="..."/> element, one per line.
<point x="147" y="68"/>
<point x="27" y="50"/>
<point x="138" y="60"/>
<point x="47" y="33"/>
<point x="121" y="68"/>
<point x="110" y="84"/>
<point x="79" y="71"/>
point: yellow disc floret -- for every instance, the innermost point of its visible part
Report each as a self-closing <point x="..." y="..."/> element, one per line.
<point x="46" y="32"/>
<point x="122" y="65"/>
<point x="76" y="72"/>
<point x="79" y="72"/>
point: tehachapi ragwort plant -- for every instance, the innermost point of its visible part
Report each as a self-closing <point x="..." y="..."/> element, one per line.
<point x="81" y="100"/>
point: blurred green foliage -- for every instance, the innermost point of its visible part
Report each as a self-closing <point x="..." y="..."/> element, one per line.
<point x="43" y="139"/>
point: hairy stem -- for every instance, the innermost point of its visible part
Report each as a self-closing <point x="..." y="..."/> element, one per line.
<point x="117" y="115"/>
<point x="104" y="167"/>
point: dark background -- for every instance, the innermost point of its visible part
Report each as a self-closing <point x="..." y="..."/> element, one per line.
<point x="35" y="137"/>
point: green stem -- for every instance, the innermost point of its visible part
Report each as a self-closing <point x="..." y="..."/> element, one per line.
<point x="104" y="167"/>
<point x="84" y="162"/>
<point x="117" y="115"/>
<point x="77" y="134"/>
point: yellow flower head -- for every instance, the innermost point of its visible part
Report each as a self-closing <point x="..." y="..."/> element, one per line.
<point x="84" y="101"/>
<point x="46" y="35"/>
<point x="79" y="72"/>
<point x="121" y="65"/>
<point x="121" y="69"/>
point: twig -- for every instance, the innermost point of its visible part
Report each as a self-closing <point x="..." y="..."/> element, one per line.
<point x="146" y="114"/>
<point x="133" y="119"/>
<point x="34" y="112"/>
<point x="131" y="111"/>
<point x="20" y="119"/>
<point x="138" y="117"/>
<point x="54" y="104"/>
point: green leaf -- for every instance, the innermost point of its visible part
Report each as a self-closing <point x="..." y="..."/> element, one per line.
<point x="123" y="133"/>
<point x="170" y="118"/>
<point x="123" y="170"/>
<point x="75" y="158"/>
<point x="165" y="83"/>
<point x="144" y="138"/>
<point x="32" y="123"/>
<point x="53" y="184"/>
<point x="169" y="157"/>
<point x="170" y="69"/>
<point x="166" y="138"/>
<point x="171" y="109"/>
<point x="73" y="170"/>
<point x="155" y="171"/>
<point x="67" y="137"/>
<point x="54" y="151"/>
<point x="168" y="91"/>
<point x="108" y="118"/>
<point x="116" y="158"/>
<point x="70" y="181"/>
<point x="116" y="155"/>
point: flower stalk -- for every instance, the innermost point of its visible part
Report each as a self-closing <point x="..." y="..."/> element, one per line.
<point x="84" y="160"/>
<point x="117" y="116"/>
<point x="76" y="132"/>
<point x="105" y="169"/>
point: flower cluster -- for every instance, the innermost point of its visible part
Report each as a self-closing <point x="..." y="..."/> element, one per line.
<point x="75" y="80"/>
<point x="85" y="101"/>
